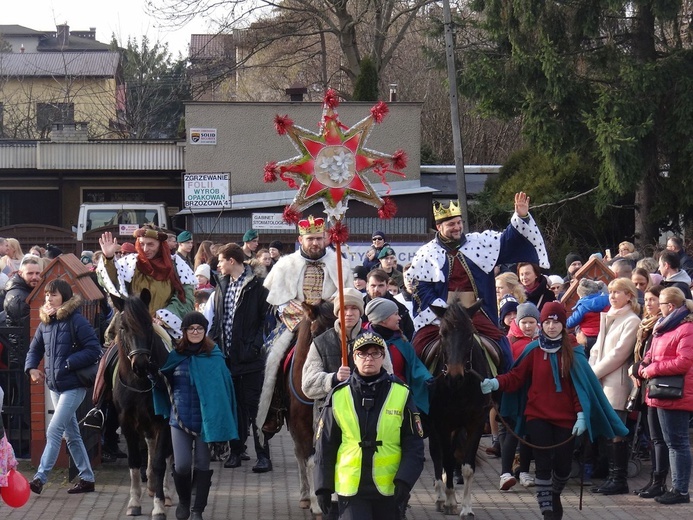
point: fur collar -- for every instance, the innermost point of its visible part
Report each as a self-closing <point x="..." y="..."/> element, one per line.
<point x="64" y="311"/>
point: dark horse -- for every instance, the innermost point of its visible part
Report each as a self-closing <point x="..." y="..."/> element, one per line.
<point x="318" y="318"/>
<point x="141" y="351"/>
<point x="458" y="408"/>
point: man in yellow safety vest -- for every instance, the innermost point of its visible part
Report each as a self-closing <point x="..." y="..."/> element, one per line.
<point x="369" y="441"/>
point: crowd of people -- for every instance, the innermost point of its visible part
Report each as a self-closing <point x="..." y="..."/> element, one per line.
<point x="233" y="310"/>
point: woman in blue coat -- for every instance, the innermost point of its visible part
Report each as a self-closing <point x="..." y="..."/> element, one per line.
<point x="69" y="343"/>
<point x="202" y="409"/>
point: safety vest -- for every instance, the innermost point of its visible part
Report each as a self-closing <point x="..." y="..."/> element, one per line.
<point x="388" y="452"/>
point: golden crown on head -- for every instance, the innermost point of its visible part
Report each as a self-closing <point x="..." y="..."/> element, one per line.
<point x="311" y="225"/>
<point x="441" y="212"/>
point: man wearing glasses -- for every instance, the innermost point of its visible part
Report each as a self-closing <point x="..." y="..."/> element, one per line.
<point x="371" y="261"/>
<point x="369" y="440"/>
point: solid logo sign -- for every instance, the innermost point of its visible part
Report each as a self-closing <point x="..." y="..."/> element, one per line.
<point x="203" y="136"/>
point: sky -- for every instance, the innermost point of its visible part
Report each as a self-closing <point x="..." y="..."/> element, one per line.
<point x="123" y="17"/>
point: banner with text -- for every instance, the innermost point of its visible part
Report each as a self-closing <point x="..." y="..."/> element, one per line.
<point x="207" y="190"/>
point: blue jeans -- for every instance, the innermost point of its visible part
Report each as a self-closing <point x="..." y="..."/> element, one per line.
<point x="675" y="430"/>
<point x="64" y="422"/>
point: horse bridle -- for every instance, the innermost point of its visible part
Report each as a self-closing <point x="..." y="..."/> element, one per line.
<point x="130" y="355"/>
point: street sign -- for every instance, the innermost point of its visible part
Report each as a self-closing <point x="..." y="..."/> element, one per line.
<point x="270" y="221"/>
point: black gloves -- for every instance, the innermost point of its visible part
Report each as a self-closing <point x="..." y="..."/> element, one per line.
<point x="325" y="502"/>
<point x="402" y="490"/>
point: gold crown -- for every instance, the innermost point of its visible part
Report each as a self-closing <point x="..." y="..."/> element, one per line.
<point x="440" y="212"/>
<point x="311" y="225"/>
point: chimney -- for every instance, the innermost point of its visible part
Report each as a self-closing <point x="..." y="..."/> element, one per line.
<point x="393" y="92"/>
<point x="92" y="33"/>
<point x="69" y="132"/>
<point x="21" y="49"/>
<point x="63" y="34"/>
<point x="296" y="92"/>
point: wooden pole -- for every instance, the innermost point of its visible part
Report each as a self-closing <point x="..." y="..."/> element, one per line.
<point x="345" y="360"/>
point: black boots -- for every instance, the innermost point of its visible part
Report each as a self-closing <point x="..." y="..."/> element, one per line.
<point x="657" y="488"/>
<point x="203" y="481"/>
<point x="183" y="484"/>
<point x="557" y="507"/>
<point x="617" y="483"/>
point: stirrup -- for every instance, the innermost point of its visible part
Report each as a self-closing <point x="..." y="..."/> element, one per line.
<point x="94" y="419"/>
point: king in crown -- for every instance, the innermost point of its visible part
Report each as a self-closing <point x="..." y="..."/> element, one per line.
<point x="455" y="266"/>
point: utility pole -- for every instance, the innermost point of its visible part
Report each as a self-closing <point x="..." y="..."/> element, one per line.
<point x="454" y="111"/>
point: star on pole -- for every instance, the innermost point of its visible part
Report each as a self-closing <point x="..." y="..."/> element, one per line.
<point x="331" y="164"/>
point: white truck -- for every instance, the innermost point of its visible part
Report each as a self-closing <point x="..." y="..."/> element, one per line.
<point x="127" y="215"/>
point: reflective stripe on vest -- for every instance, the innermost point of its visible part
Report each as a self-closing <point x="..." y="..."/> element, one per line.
<point x="387" y="457"/>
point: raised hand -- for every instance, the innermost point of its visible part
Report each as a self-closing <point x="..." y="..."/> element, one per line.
<point x="109" y="244"/>
<point x="522" y="204"/>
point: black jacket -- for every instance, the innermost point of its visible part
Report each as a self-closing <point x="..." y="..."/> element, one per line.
<point x="541" y="294"/>
<point x="17" y="315"/>
<point x="245" y="353"/>
<point x="329" y="437"/>
<point x="406" y="323"/>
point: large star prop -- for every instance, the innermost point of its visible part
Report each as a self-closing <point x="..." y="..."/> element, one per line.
<point x="331" y="164"/>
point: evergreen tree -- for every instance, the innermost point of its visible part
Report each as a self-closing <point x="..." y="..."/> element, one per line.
<point x="607" y="80"/>
<point x="366" y="88"/>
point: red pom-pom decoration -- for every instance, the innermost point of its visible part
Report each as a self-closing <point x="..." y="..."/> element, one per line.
<point x="339" y="233"/>
<point x="388" y="209"/>
<point x="281" y="123"/>
<point x="399" y="160"/>
<point x="331" y="100"/>
<point x="379" y="111"/>
<point x="291" y="216"/>
<point x="271" y="172"/>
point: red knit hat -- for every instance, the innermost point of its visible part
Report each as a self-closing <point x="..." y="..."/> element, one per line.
<point x="553" y="311"/>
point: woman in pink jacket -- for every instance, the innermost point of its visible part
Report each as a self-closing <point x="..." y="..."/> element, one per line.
<point x="671" y="354"/>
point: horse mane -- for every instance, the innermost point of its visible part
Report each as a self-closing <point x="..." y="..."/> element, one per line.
<point x="317" y="319"/>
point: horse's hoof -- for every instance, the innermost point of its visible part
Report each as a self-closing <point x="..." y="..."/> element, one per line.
<point x="468" y="516"/>
<point x="159" y="516"/>
<point x="449" y="510"/>
<point x="134" y="511"/>
<point x="304" y="504"/>
<point x="439" y="507"/>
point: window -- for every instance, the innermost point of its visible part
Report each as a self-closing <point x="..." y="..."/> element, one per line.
<point x="49" y="113"/>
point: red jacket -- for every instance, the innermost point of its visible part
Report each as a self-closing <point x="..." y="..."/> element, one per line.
<point x="518" y="341"/>
<point x="671" y="353"/>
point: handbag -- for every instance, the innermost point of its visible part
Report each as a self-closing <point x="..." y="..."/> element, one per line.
<point x="665" y="387"/>
<point x="85" y="375"/>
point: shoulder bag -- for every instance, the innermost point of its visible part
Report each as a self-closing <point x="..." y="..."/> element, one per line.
<point x="86" y="375"/>
<point x="665" y="387"/>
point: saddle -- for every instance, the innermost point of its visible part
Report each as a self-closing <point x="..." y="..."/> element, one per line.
<point x="104" y="375"/>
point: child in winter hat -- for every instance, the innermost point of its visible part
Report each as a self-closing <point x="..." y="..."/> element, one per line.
<point x="593" y="300"/>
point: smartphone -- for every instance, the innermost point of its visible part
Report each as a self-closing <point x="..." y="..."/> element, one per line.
<point x="608" y="253"/>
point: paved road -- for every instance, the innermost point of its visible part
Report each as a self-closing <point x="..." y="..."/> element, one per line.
<point x="240" y="494"/>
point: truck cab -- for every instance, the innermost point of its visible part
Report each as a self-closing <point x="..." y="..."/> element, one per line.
<point x="104" y="214"/>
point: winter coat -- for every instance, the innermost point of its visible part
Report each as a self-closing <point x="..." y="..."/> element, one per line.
<point x="328" y="437"/>
<point x="53" y="342"/>
<point x="586" y="313"/>
<point x="518" y="341"/>
<point x="671" y="353"/>
<point x="541" y="294"/>
<point x="244" y="354"/>
<point x="209" y="381"/>
<point x="612" y="354"/>
<point x="680" y="280"/>
<point x="17" y="314"/>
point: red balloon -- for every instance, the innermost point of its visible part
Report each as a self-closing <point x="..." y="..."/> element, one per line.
<point x="16" y="494"/>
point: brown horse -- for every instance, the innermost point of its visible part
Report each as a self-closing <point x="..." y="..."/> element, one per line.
<point x="458" y="408"/>
<point x="318" y="318"/>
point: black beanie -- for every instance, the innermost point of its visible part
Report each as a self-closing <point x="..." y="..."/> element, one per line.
<point x="194" y="318"/>
<point x="570" y="258"/>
